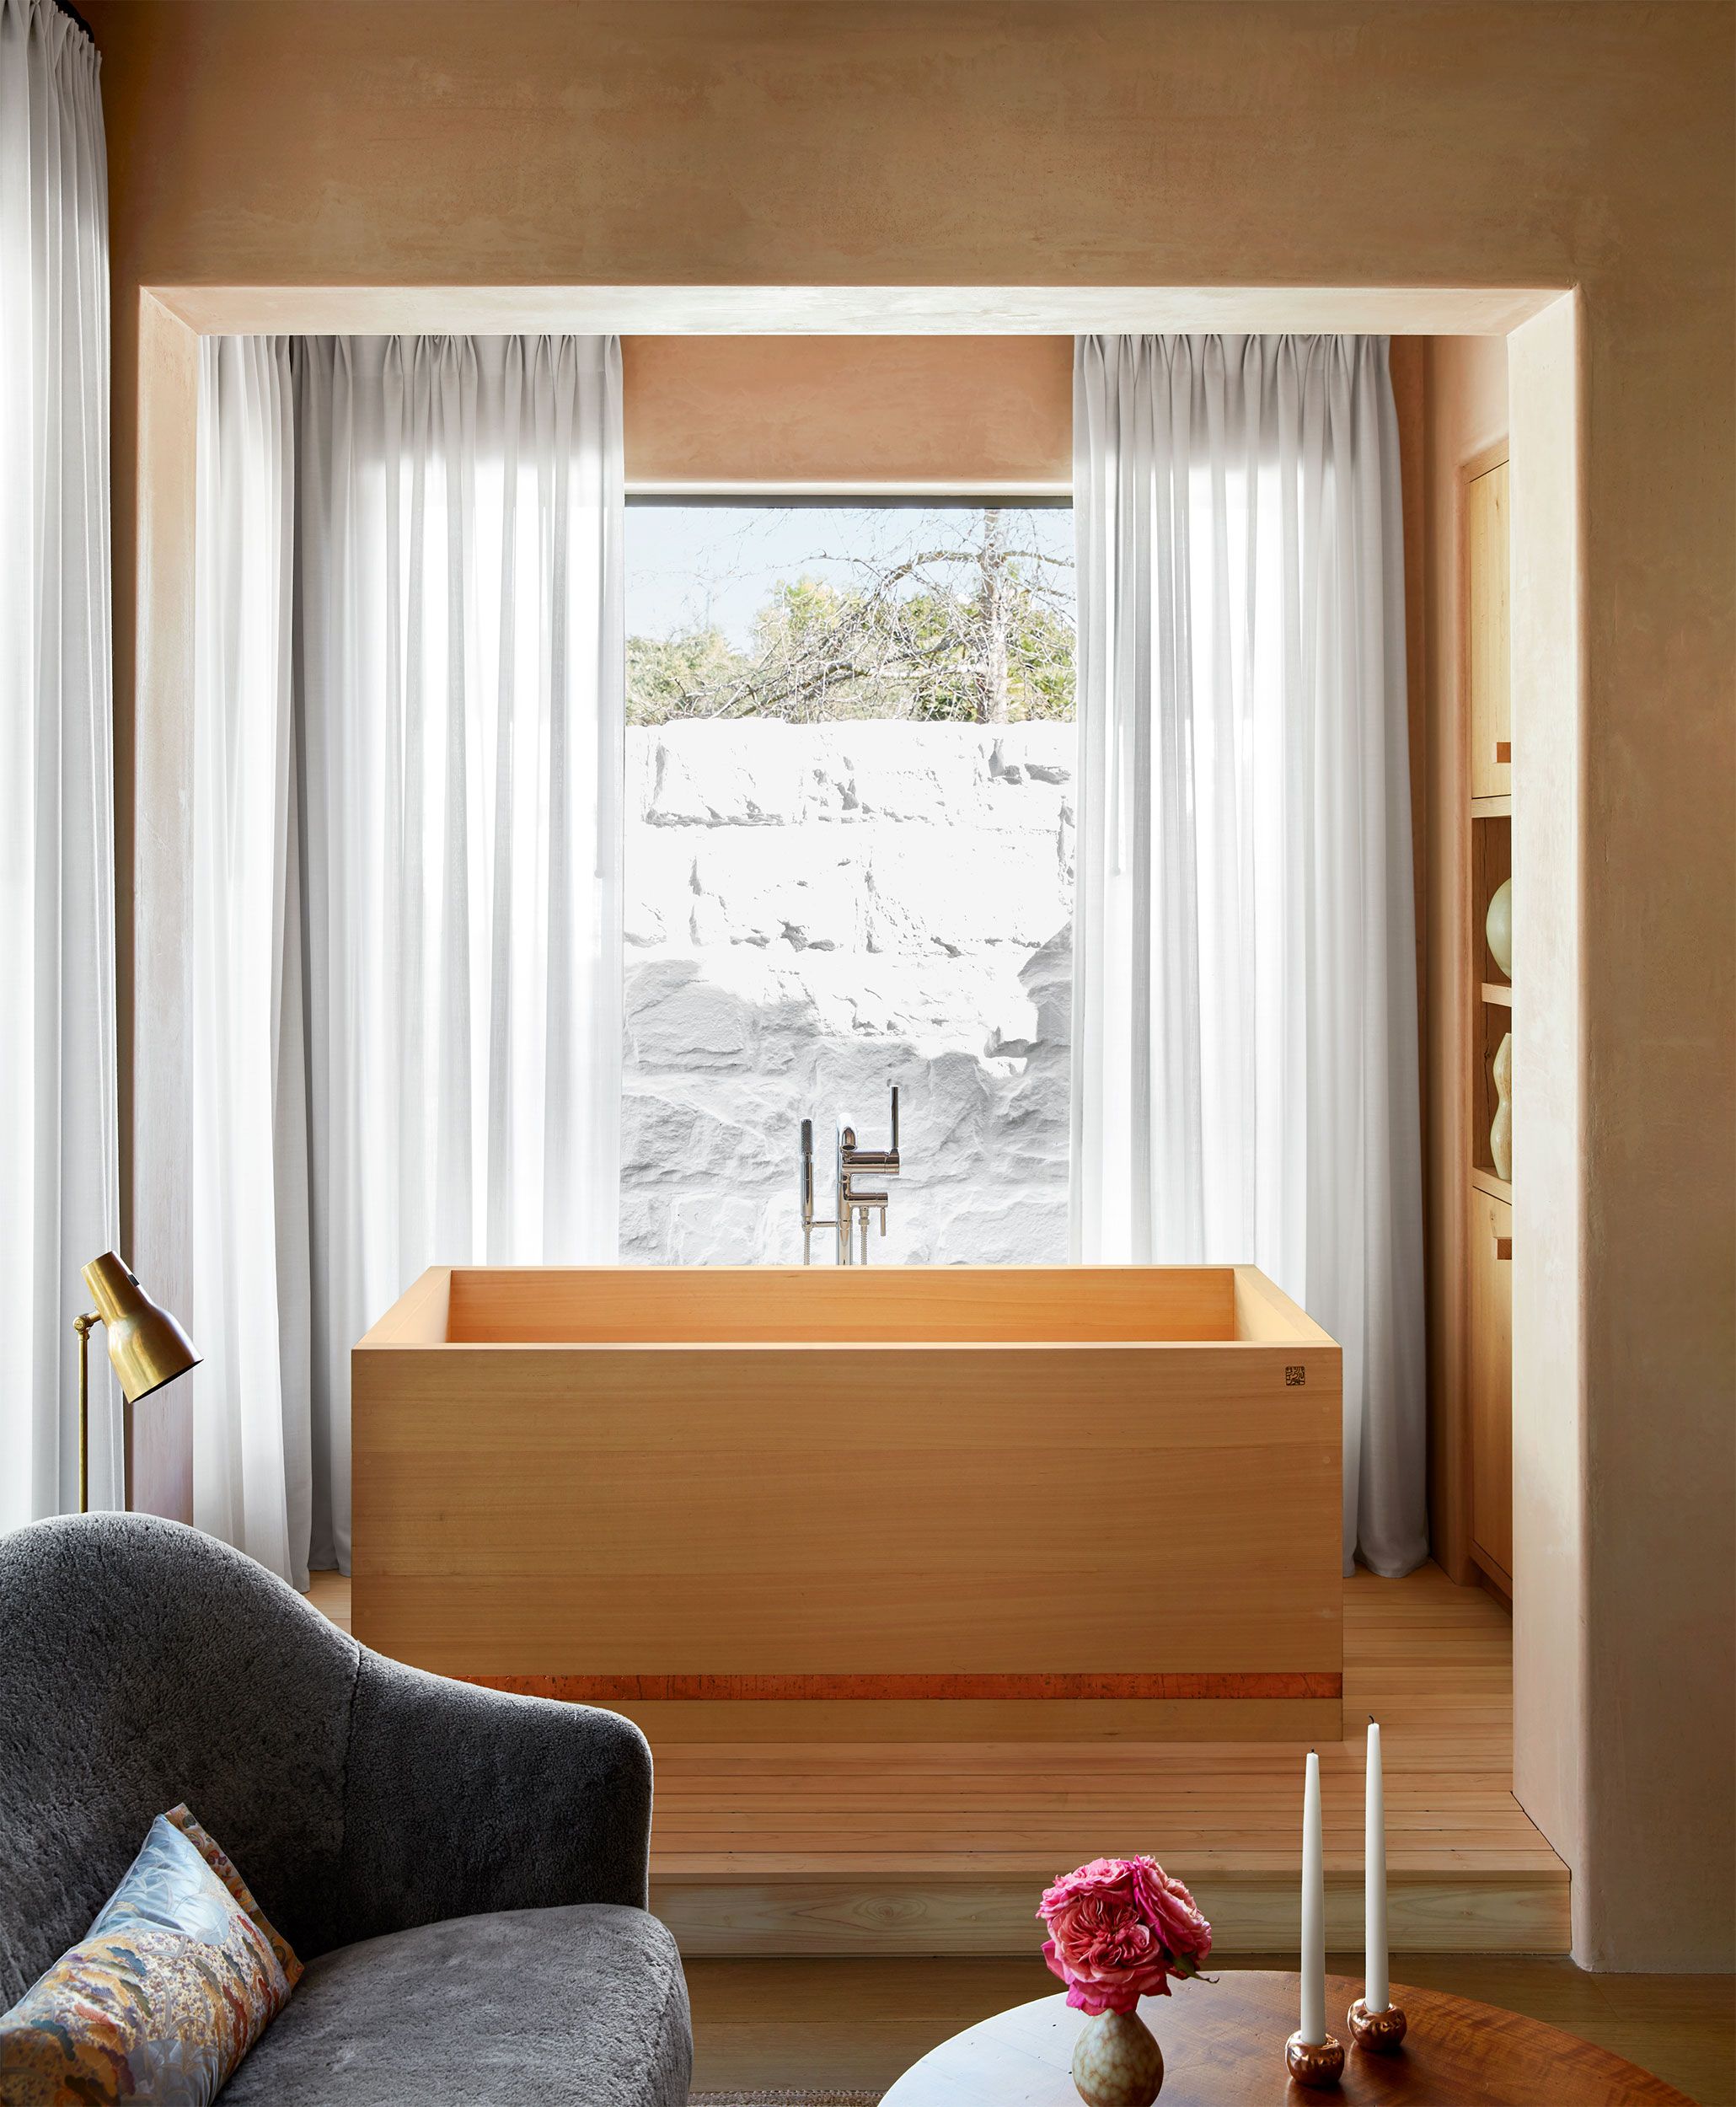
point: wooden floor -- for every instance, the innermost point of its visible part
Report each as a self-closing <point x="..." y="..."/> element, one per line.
<point x="900" y="1849"/>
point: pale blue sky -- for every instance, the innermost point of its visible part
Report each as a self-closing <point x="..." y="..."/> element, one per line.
<point x="690" y="565"/>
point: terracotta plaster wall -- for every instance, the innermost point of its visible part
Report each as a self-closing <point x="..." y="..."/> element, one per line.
<point x="1348" y="144"/>
<point x="956" y="413"/>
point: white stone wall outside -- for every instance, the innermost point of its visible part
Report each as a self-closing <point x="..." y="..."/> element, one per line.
<point x="814" y="912"/>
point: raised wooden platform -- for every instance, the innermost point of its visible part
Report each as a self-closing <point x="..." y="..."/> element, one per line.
<point x="907" y="1848"/>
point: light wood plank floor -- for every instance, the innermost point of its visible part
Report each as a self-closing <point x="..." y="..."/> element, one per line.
<point x="893" y="1849"/>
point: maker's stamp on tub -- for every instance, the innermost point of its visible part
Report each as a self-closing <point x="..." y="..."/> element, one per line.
<point x="1295" y="1378"/>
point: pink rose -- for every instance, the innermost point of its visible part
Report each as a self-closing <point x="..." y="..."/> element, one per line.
<point x="1175" y="1915"/>
<point x="1118" y="1929"/>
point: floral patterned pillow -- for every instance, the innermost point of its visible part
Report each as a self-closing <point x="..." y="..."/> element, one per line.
<point x="172" y="1984"/>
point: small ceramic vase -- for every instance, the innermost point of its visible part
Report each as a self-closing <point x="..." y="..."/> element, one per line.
<point x="1497" y="926"/>
<point x="1117" y="2062"/>
<point x="1501" y="1133"/>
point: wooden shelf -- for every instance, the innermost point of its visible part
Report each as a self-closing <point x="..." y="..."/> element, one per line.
<point x="1470" y="1000"/>
<point x="1489" y="1249"/>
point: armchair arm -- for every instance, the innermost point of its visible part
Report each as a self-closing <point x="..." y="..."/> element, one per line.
<point x="460" y="1800"/>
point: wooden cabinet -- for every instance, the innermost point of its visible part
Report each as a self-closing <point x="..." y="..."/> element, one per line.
<point x="1472" y="1001"/>
<point x="1485" y="641"/>
<point x="1490" y="1383"/>
<point x="1487" y="1358"/>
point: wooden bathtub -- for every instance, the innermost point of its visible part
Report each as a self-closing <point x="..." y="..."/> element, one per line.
<point x="874" y="1503"/>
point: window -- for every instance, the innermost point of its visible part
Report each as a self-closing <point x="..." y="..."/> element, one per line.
<point x="849" y="864"/>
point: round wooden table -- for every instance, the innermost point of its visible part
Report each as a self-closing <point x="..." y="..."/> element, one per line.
<point x="1223" y="2043"/>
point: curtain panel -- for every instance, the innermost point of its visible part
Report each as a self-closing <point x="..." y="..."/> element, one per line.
<point x="433" y="688"/>
<point x="59" y="1131"/>
<point x="1244" y="1073"/>
<point x="251" y="1435"/>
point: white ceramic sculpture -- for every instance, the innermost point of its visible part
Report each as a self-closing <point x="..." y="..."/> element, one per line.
<point x="1501" y="1133"/>
<point x="1497" y="926"/>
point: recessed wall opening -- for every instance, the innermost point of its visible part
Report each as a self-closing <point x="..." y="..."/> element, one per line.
<point x="1539" y="333"/>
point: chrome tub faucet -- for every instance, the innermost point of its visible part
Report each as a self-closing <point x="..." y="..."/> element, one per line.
<point x="852" y="1203"/>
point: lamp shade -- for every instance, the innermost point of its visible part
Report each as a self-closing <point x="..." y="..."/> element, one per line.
<point x="148" y="1347"/>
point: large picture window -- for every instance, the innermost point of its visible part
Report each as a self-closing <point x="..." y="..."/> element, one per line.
<point x="849" y="864"/>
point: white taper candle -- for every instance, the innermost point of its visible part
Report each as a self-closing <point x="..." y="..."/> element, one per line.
<point x="1313" y="2028"/>
<point x="1377" y="1993"/>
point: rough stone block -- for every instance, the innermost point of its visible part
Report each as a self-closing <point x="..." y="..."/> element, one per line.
<point x="742" y="773"/>
<point x="961" y="890"/>
<point x="677" y="1018"/>
<point x="1039" y="753"/>
<point x="806" y="891"/>
<point x="1026" y="1228"/>
<point x="933" y="774"/>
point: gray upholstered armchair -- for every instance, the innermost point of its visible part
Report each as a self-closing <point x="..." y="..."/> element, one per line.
<point x="464" y="1871"/>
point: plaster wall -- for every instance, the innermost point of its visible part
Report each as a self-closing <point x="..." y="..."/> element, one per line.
<point x="953" y="413"/>
<point x="1349" y="144"/>
<point x="1570" y="1741"/>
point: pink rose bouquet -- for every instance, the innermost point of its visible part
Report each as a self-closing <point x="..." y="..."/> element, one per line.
<point x="1118" y="1929"/>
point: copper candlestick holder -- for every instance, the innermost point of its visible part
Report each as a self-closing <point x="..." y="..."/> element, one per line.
<point x="1379" y="2033"/>
<point x="1317" y="2063"/>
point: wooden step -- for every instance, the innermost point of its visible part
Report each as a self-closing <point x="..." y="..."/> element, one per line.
<point x="871" y="1914"/>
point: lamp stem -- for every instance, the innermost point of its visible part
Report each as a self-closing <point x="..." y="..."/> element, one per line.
<point x="82" y="1325"/>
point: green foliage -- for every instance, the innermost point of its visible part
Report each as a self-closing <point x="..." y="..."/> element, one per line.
<point x="1040" y="662"/>
<point x="970" y="631"/>
<point x="665" y="673"/>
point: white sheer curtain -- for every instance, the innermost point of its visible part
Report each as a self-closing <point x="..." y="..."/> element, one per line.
<point x="59" y="1136"/>
<point x="251" y="1475"/>
<point x="1245" y="1031"/>
<point x="447" y="927"/>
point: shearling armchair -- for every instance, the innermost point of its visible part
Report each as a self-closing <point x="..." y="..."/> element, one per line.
<point x="465" y="1873"/>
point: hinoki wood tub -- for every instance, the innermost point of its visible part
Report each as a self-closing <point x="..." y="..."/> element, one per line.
<point x="872" y="1504"/>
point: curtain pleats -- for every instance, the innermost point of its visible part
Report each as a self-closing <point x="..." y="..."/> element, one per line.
<point x="59" y="1133"/>
<point x="442" y="1006"/>
<point x="1244" y="1084"/>
<point x="252" y="1462"/>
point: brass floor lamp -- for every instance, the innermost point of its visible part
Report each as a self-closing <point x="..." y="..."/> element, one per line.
<point x="146" y="1345"/>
